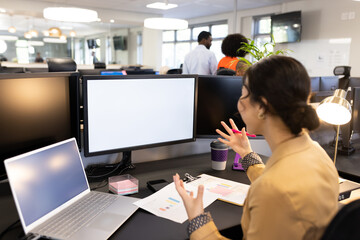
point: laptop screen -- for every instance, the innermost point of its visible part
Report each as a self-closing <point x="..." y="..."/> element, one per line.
<point x="44" y="179"/>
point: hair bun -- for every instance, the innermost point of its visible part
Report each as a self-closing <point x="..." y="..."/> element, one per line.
<point x="300" y="115"/>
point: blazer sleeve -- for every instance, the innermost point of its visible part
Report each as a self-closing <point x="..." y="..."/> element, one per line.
<point x="207" y="232"/>
<point x="254" y="171"/>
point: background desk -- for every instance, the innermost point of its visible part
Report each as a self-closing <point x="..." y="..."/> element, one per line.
<point x="144" y="225"/>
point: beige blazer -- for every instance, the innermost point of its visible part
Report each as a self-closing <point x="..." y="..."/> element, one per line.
<point x="293" y="197"/>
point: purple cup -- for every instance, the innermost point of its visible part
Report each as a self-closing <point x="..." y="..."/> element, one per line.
<point x="219" y="154"/>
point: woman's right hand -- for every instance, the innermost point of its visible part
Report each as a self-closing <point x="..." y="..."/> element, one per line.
<point x="237" y="141"/>
<point x="194" y="206"/>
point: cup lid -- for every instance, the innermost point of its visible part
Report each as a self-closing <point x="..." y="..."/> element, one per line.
<point x="217" y="144"/>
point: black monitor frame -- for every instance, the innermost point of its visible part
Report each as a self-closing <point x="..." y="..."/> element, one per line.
<point x="217" y="101"/>
<point x="74" y="107"/>
<point x="288" y="19"/>
<point x="128" y="150"/>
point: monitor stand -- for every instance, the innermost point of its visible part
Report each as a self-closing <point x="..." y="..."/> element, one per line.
<point x="98" y="171"/>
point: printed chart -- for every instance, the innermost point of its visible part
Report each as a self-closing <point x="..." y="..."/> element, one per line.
<point x="230" y="191"/>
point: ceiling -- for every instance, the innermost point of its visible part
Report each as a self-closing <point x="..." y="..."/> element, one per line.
<point x="27" y="14"/>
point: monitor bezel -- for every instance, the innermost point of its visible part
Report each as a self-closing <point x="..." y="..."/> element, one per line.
<point x="290" y="16"/>
<point x="85" y="80"/>
<point x="214" y="135"/>
<point x="74" y="91"/>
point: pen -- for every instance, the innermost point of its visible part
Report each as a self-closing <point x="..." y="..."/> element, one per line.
<point x="247" y="134"/>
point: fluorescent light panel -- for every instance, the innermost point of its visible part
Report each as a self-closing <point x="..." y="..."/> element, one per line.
<point x="8" y="37"/>
<point x="67" y="14"/>
<point x="161" y="5"/>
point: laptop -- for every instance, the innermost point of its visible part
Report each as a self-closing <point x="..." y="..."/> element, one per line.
<point x="49" y="184"/>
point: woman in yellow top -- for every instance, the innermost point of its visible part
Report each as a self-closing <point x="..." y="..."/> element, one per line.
<point x="229" y="48"/>
<point x="295" y="195"/>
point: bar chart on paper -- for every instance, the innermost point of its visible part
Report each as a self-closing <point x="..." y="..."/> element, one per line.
<point x="230" y="191"/>
<point x="168" y="204"/>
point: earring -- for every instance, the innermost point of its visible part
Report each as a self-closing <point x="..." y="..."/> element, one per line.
<point x="261" y="116"/>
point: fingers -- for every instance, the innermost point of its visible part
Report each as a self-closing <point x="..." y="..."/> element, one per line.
<point x="227" y="128"/>
<point x="200" y="193"/>
<point x="222" y="134"/>
<point x="233" y="125"/>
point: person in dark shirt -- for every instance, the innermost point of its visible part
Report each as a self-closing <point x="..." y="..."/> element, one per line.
<point x="38" y="58"/>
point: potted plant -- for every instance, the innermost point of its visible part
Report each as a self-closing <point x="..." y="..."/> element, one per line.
<point x="258" y="53"/>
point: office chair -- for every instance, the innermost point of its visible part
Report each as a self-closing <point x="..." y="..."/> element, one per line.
<point x="225" y="71"/>
<point x="98" y="65"/>
<point x="61" y="65"/>
<point x="345" y="224"/>
<point x="174" y="71"/>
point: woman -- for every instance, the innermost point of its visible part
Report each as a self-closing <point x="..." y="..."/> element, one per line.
<point x="230" y="48"/>
<point x="294" y="196"/>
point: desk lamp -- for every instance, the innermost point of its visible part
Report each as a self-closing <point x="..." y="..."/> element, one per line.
<point x="336" y="109"/>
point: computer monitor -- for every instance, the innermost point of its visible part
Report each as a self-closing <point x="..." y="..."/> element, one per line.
<point x="118" y="72"/>
<point x="125" y="113"/>
<point x="37" y="109"/>
<point x="329" y="83"/>
<point x="140" y="71"/>
<point x="217" y="101"/>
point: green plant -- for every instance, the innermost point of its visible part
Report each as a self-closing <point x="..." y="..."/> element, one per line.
<point x="258" y="53"/>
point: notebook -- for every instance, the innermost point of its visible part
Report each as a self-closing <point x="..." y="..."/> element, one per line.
<point x="50" y="183"/>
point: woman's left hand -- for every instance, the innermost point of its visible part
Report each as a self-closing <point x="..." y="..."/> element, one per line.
<point x="237" y="141"/>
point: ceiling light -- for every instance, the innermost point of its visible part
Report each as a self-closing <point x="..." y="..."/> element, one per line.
<point x="54" y="32"/>
<point x="12" y="29"/>
<point x="54" y="40"/>
<point x="161" y="5"/>
<point x="27" y="35"/>
<point x="72" y="33"/>
<point x="112" y="20"/>
<point x="67" y="14"/>
<point x="8" y="38"/>
<point x="34" y="33"/>
<point x="2" y="10"/>
<point x="62" y="37"/>
<point x="165" y="23"/>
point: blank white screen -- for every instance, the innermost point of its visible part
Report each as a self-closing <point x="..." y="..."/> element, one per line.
<point x="127" y="113"/>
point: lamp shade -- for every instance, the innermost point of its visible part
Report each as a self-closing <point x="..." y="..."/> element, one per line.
<point x="336" y="109"/>
<point x="165" y="23"/>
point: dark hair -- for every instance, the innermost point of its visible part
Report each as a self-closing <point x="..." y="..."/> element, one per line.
<point x="285" y="84"/>
<point x="203" y="35"/>
<point x="231" y="44"/>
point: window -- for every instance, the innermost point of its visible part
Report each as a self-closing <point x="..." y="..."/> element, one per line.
<point x="176" y="44"/>
<point x="262" y="31"/>
<point x="139" y="55"/>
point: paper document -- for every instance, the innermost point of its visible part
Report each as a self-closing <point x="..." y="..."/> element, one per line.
<point x="168" y="204"/>
<point x="230" y="191"/>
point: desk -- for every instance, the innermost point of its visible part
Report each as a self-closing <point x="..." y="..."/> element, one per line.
<point x="144" y="225"/>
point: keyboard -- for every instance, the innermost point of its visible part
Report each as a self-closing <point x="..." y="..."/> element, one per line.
<point x="71" y="219"/>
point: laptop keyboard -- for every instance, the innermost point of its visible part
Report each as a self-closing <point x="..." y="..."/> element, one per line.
<point x="77" y="215"/>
